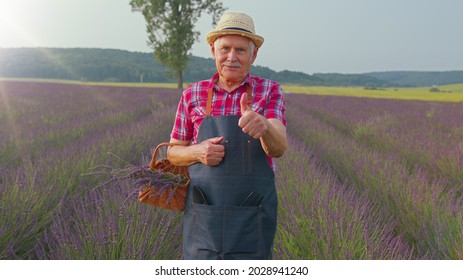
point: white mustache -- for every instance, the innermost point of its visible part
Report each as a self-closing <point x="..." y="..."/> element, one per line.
<point x="233" y="64"/>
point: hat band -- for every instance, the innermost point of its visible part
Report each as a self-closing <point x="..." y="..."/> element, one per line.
<point x="238" y="29"/>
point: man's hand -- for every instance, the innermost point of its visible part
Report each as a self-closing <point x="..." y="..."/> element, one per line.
<point x="212" y="151"/>
<point x="251" y="122"/>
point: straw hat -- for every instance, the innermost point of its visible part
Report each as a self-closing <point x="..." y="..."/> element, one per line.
<point x="232" y="23"/>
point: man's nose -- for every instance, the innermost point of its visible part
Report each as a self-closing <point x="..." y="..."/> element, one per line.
<point x="232" y="55"/>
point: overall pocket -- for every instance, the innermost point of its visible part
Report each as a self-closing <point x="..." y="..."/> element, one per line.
<point x="233" y="160"/>
<point x="238" y="157"/>
<point x="228" y="230"/>
<point x="242" y="230"/>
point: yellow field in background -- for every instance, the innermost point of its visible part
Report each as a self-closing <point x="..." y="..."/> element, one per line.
<point x="74" y="82"/>
<point x="449" y="93"/>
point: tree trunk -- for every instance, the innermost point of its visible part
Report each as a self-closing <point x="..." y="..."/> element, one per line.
<point x="180" y="79"/>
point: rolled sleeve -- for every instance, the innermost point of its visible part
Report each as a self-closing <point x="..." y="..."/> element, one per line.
<point x="276" y="104"/>
<point x="183" y="126"/>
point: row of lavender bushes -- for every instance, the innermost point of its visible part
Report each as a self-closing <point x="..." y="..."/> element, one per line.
<point x="54" y="136"/>
<point x="362" y="178"/>
<point x="404" y="156"/>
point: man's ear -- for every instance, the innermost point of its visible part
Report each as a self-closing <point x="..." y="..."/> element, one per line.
<point x="254" y="55"/>
<point x="211" y="45"/>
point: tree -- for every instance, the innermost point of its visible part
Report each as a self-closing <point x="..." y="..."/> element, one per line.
<point x="170" y="27"/>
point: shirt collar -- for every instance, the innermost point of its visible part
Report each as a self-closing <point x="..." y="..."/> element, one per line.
<point x="215" y="79"/>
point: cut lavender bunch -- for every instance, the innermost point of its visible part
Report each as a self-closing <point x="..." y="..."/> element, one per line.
<point x="156" y="178"/>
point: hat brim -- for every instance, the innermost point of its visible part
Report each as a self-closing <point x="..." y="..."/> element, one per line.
<point x="213" y="35"/>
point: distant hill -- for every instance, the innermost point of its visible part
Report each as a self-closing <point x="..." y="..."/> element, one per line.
<point x="89" y="64"/>
<point x="419" y="79"/>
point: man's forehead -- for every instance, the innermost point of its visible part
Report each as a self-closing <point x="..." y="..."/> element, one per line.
<point x="232" y="40"/>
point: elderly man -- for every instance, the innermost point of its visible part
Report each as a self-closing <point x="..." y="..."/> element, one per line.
<point x="230" y="127"/>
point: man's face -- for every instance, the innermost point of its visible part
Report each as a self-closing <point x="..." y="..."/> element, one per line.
<point x="233" y="57"/>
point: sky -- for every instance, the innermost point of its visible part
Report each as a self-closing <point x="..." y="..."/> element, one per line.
<point x="310" y="36"/>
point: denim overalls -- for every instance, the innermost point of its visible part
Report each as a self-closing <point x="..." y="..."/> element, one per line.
<point x="236" y="212"/>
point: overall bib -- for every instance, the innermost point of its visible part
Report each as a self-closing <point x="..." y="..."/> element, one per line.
<point x="236" y="213"/>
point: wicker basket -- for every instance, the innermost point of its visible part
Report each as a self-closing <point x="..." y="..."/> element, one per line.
<point x="171" y="198"/>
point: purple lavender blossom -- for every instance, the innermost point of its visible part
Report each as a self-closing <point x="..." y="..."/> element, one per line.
<point x="362" y="179"/>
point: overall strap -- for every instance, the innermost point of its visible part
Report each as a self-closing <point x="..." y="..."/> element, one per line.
<point x="209" y="99"/>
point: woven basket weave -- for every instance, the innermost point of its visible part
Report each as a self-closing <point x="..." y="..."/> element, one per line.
<point x="171" y="198"/>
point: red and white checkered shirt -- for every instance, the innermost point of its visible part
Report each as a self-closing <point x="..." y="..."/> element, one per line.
<point x="267" y="100"/>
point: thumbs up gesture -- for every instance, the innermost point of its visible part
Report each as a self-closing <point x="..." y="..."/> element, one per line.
<point x="251" y="122"/>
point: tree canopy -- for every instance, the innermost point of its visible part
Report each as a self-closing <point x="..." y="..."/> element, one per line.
<point x="170" y="26"/>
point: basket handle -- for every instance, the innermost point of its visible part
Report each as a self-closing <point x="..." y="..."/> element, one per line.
<point x="155" y="154"/>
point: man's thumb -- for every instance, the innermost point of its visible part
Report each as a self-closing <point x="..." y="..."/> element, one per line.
<point x="244" y="103"/>
<point x="217" y="140"/>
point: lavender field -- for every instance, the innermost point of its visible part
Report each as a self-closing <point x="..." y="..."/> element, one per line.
<point x="363" y="178"/>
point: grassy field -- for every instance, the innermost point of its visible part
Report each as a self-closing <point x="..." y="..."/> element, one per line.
<point x="363" y="178"/>
<point x="449" y="93"/>
<point x="74" y="82"/>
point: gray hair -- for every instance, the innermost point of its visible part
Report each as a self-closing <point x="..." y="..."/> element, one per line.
<point x="252" y="46"/>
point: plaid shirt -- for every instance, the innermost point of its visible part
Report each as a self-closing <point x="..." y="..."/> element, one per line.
<point x="267" y="100"/>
